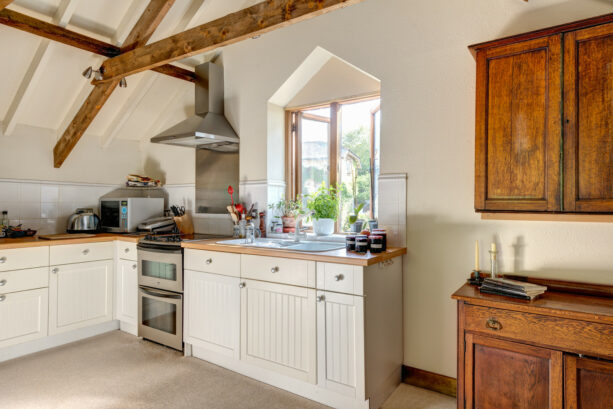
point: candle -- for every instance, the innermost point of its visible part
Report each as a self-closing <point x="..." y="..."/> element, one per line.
<point x="493" y="247"/>
<point x="477" y="255"/>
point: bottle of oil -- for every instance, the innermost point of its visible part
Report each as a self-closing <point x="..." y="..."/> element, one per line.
<point x="4" y="223"/>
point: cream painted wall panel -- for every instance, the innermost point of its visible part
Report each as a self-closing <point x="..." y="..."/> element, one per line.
<point x="418" y="51"/>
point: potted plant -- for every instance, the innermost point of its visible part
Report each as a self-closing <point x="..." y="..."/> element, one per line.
<point x="288" y="209"/>
<point x="323" y="206"/>
<point x="354" y="223"/>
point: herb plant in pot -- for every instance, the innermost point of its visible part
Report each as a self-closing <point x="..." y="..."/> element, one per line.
<point x="323" y="206"/>
<point x="355" y="224"/>
<point x="288" y="209"/>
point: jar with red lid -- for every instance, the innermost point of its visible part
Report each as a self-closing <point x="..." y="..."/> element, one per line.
<point x="383" y="234"/>
<point x="376" y="243"/>
<point x="350" y="243"/>
<point x="361" y="244"/>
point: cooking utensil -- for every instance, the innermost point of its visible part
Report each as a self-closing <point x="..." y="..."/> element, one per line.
<point x="240" y="208"/>
<point x="231" y="193"/>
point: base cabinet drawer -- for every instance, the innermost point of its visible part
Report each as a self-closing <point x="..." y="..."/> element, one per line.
<point x="80" y="295"/>
<point x="278" y="328"/>
<point x="340" y="278"/>
<point x="212" y="312"/>
<point x="23" y="316"/>
<point x="278" y="270"/>
<point x="21" y="280"/>
<point x="16" y="259"/>
<point x="126" y="250"/>
<point x="564" y="334"/>
<point x="80" y="253"/>
<point x="215" y="262"/>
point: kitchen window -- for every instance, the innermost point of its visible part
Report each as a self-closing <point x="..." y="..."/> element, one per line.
<point x="336" y="144"/>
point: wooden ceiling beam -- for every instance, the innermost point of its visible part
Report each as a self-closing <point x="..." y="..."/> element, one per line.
<point x="62" y="35"/>
<point x="139" y="35"/>
<point x="255" y="20"/>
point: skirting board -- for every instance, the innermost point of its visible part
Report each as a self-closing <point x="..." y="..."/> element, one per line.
<point x="429" y="380"/>
<point x="15" y="351"/>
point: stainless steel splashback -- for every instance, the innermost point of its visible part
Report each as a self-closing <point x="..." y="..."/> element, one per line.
<point x="215" y="171"/>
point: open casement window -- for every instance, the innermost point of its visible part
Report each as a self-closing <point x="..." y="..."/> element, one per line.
<point x="336" y="144"/>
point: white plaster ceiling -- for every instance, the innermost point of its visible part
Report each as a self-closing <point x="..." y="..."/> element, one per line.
<point x="56" y="89"/>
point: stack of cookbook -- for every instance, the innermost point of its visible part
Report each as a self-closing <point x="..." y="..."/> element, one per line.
<point x="512" y="288"/>
<point x="142" y="181"/>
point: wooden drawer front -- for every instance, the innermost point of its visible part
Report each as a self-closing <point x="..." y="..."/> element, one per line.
<point x="278" y="270"/>
<point x="15" y="259"/>
<point x="566" y="334"/>
<point x="126" y="251"/>
<point x="227" y="264"/>
<point x="79" y="253"/>
<point x="20" y="280"/>
<point x="340" y="278"/>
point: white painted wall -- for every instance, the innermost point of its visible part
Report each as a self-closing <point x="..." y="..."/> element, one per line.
<point x="418" y="51"/>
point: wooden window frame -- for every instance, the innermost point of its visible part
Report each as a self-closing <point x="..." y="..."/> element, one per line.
<point x="293" y="144"/>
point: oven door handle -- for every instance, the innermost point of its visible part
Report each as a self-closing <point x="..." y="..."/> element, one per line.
<point x="159" y="250"/>
<point x="159" y="293"/>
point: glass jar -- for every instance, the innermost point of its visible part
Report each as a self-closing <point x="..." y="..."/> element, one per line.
<point x="361" y="244"/>
<point x="350" y="243"/>
<point x="383" y="234"/>
<point x="376" y="243"/>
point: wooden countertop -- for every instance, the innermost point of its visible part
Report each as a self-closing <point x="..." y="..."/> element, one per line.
<point x="565" y="305"/>
<point x="335" y="256"/>
<point x="37" y="242"/>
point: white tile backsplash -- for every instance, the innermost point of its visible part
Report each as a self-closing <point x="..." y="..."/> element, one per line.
<point x="392" y="207"/>
<point x="45" y="206"/>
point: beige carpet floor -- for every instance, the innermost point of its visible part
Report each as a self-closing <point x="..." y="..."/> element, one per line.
<point x="117" y="370"/>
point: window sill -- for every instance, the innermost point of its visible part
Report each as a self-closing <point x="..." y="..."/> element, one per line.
<point x="337" y="237"/>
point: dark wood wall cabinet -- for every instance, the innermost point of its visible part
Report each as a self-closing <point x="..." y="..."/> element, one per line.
<point x="544" y="120"/>
<point x="555" y="352"/>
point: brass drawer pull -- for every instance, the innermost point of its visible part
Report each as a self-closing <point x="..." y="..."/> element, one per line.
<point x="493" y="324"/>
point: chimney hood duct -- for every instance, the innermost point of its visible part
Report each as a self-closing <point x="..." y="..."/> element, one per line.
<point x="208" y="129"/>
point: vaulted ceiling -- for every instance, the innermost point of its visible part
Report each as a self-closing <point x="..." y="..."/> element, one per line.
<point x="41" y="83"/>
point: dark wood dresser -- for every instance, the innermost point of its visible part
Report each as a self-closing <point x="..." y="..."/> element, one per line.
<point x="553" y="352"/>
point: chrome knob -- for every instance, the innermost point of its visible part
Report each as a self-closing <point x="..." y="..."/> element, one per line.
<point x="55" y="270"/>
<point x="2" y="260"/>
<point x="321" y="298"/>
<point x="208" y="260"/>
<point x="127" y="250"/>
<point x="2" y="297"/>
<point x="2" y="283"/>
<point x="338" y="277"/>
<point x="274" y="269"/>
<point x="133" y="266"/>
<point x="85" y="252"/>
<point x="242" y="285"/>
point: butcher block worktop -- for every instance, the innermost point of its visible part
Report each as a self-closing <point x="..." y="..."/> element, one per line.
<point x="37" y="242"/>
<point x="335" y="256"/>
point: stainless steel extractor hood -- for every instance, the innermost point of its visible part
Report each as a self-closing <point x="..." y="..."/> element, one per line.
<point x="208" y="129"/>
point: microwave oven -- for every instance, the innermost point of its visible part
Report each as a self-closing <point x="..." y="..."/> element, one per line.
<point x="123" y="215"/>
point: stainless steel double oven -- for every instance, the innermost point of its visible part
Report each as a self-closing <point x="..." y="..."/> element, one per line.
<point x="160" y="293"/>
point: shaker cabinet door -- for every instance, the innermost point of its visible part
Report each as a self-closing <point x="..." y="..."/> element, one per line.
<point x="518" y="126"/>
<point x="502" y="374"/>
<point x="340" y="343"/>
<point x="278" y="328"/>
<point x="212" y="312"/>
<point x="588" y="383"/>
<point x="80" y="295"/>
<point x="588" y="120"/>
<point x="127" y="292"/>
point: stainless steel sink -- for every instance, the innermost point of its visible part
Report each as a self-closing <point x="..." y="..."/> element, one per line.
<point x="280" y="244"/>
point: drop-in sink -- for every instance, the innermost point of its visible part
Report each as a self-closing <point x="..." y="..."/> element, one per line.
<point x="280" y="244"/>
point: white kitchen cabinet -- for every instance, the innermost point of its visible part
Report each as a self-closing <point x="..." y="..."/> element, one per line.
<point x="212" y="312"/>
<point x="278" y="328"/>
<point x="23" y="316"/>
<point x="80" y="295"/>
<point x="126" y="294"/>
<point x="340" y="343"/>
